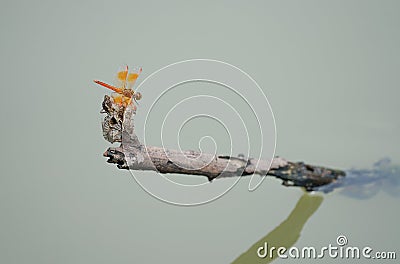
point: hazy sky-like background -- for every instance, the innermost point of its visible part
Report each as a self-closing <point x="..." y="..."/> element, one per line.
<point x="330" y="70"/>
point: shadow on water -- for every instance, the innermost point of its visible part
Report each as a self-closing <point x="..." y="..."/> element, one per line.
<point x="286" y="234"/>
<point x="358" y="184"/>
<point x="366" y="183"/>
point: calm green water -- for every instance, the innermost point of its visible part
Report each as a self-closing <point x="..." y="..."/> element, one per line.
<point x="329" y="69"/>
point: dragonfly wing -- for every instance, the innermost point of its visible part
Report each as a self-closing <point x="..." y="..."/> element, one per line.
<point x="120" y="79"/>
<point x="132" y="77"/>
<point x="121" y="99"/>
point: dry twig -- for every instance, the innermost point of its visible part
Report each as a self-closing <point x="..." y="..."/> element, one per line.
<point x="118" y="126"/>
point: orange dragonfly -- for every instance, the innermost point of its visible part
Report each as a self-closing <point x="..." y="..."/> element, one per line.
<point x="123" y="88"/>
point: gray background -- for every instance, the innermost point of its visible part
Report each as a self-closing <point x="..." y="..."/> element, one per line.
<point x="329" y="68"/>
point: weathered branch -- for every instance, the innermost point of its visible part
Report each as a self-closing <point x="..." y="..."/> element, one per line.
<point x="118" y="126"/>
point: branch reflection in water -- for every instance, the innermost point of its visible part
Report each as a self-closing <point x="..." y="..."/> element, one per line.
<point x="358" y="184"/>
<point x="287" y="233"/>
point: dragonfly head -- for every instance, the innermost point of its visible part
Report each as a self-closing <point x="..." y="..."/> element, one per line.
<point x="137" y="96"/>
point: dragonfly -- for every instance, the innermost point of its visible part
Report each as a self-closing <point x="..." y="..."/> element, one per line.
<point x="123" y="92"/>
